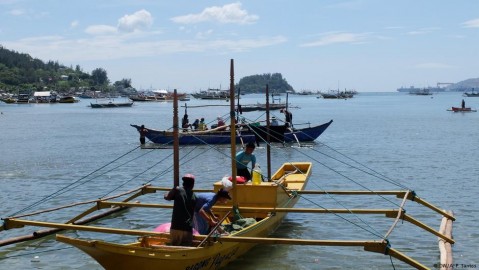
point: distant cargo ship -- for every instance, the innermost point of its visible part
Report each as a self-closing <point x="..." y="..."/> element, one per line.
<point x="413" y="89"/>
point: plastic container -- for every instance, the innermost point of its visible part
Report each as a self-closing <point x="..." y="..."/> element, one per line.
<point x="256" y="177"/>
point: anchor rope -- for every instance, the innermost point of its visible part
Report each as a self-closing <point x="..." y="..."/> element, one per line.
<point x="372" y="230"/>
<point x="62" y="190"/>
<point x="377" y="174"/>
<point x="343" y="175"/>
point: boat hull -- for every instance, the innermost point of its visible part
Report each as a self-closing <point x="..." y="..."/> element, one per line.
<point x="110" y="105"/>
<point x="126" y="257"/>
<point x="306" y="134"/>
<point x="215" y="254"/>
<point x="459" y="109"/>
<point x="194" y="138"/>
<point x="279" y="134"/>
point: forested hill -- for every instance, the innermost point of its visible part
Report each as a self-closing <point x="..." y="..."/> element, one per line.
<point x="20" y="71"/>
<point x="257" y="84"/>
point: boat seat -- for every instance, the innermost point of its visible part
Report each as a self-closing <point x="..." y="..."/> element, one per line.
<point x="294" y="177"/>
<point x="295" y="181"/>
<point x="296" y="186"/>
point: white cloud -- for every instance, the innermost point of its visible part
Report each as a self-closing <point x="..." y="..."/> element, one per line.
<point x="128" y="23"/>
<point x="108" y="47"/>
<point x="230" y="13"/>
<point x="101" y="30"/>
<point x="423" y="31"/>
<point x="433" y="66"/>
<point x="206" y="34"/>
<point x="74" y="24"/>
<point x="139" y="20"/>
<point x="471" y="24"/>
<point x="17" y="12"/>
<point x="332" y="38"/>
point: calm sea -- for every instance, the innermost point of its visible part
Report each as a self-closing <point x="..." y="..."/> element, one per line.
<point x="56" y="154"/>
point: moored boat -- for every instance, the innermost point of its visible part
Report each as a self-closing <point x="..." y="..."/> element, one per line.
<point x="111" y="104"/>
<point x="23" y="99"/>
<point x="158" y="95"/>
<point x="212" y="94"/>
<point x="460" y="109"/>
<point x="68" y="99"/>
<point x="261" y="107"/>
<point x="190" y="137"/>
<point x="473" y="93"/>
<point x="251" y="134"/>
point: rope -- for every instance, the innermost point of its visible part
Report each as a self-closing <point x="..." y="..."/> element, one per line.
<point x="294" y="193"/>
<point x="62" y="190"/>
<point x="345" y="176"/>
<point x="383" y="177"/>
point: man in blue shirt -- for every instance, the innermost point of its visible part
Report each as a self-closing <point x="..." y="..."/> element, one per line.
<point x="242" y="160"/>
<point x="204" y="219"/>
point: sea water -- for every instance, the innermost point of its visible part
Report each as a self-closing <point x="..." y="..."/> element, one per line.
<point x="56" y="154"/>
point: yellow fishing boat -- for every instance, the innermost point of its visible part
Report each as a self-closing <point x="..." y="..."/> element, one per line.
<point x="152" y="252"/>
<point x="264" y="205"/>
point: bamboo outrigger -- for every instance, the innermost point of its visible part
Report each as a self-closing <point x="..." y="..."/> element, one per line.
<point x="266" y="204"/>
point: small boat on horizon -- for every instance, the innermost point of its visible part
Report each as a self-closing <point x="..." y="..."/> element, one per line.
<point x="473" y="93"/>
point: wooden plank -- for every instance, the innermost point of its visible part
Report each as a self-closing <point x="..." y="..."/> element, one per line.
<point x="15" y="223"/>
<point x="107" y="204"/>
<point x="434" y="208"/>
<point x="43" y="233"/>
<point x="426" y="228"/>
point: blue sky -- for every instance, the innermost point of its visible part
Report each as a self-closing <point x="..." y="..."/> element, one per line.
<point x="367" y="45"/>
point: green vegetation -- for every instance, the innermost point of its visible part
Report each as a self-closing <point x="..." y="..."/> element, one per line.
<point x="257" y="84"/>
<point x="21" y="72"/>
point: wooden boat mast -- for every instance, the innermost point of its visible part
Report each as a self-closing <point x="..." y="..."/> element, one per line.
<point x="268" y="139"/>
<point x="176" y="142"/>
<point x="233" y="134"/>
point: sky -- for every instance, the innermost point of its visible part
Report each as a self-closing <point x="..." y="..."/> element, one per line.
<point x="365" y="45"/>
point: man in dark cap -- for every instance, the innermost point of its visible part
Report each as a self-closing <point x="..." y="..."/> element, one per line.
<point x="204" y="217"/>
<point x="242" y="160"/>
<point x="181" y="230"/>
